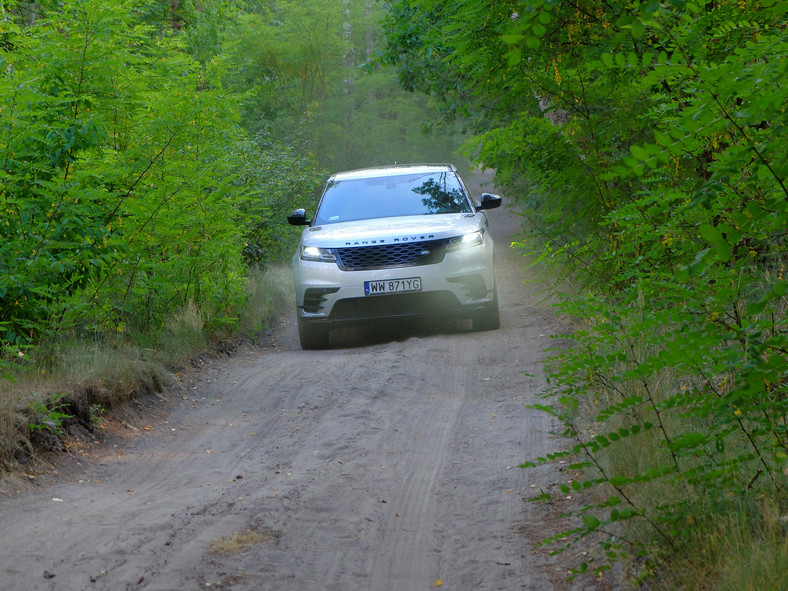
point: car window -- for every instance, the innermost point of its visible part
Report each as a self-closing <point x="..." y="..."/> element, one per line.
<point x="391" y="196"/>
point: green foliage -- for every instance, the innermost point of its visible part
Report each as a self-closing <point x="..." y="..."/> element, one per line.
<point x="49" y="415"/>
<point x="272" y="178"/>
<point x="646" y="144"/>
<point x="381" y="125"/>
<point x="74" y="158"/>
<point x="306" y="74"/>
<point x="123" y="170"/>
<point x="95" y="412"/>
<point x="286" y="57"/>
<point x="149" y="152"/>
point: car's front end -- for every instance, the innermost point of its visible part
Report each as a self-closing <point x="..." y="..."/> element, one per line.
<point x="434" y="266"/>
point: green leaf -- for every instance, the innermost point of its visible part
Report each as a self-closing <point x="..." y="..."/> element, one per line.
<point x="591" y="522"/>
<point x="688" y="441"/>
<point x="514" y="57"/>
<point x="711" y="233"/>
<point x="662" y="139"/>
<point x="639" y="153"/>
<point x="512" y="38"/>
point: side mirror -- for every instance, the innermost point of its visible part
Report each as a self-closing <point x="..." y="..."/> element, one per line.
<point x="298" y="218"/>
<point x="490" y="201"/>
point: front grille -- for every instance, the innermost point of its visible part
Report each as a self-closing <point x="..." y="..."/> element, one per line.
<point x="384" y="256"/>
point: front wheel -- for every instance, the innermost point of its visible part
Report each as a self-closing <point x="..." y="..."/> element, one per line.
<point x="312" y="336"/>
<point x="489" y="318"/>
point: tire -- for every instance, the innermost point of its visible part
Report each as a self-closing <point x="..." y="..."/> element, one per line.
<point x="489" y="318"/>
<point x="312" y="336"/>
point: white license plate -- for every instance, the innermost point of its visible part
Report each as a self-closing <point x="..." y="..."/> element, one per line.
<point x="392" y="286"/>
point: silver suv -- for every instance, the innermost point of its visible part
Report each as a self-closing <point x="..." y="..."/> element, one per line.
<point x="394" y="242"/>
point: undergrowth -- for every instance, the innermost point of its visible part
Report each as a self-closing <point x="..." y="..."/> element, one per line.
<point x="45" y="391"/>
<point x="679" y="439"/>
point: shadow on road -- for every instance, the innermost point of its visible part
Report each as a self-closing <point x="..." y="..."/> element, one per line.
<point x="393" y="330"/>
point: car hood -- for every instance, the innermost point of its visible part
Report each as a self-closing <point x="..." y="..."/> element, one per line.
<point x="394" y="230"/>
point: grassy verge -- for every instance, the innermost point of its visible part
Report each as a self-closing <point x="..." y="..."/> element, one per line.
<point x="683" y="485"/>
<point x="712" y="535"/>
<point x="49" y="391"/>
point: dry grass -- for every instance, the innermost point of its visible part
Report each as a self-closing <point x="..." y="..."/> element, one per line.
<point x="85" y="379"/>
<point x="241" y="542"/>
<point x="183" y="336"/>
<point x="270" y="295"/>
<point x="734" y="544"/>
<point x="744" y="549"/>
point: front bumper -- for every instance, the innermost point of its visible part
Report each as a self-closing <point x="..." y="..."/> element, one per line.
<point x="461" y="284"/>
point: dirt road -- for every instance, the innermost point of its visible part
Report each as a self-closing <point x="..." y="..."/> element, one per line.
<point x="387" y="463"/>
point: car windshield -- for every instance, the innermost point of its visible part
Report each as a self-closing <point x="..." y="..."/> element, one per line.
<point x="390" y="196"/>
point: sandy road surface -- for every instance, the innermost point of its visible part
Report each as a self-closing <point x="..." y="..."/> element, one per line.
<point x="381" y="464"/>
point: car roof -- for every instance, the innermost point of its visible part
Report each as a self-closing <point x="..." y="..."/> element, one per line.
<point x="394" y="170"/>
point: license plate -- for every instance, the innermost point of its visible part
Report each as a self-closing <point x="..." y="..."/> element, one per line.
<point x="392" y="286"/>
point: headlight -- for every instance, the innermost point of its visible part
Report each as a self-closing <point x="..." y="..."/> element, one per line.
<point x="318" y="255"/>
<point x="466" y="241"/>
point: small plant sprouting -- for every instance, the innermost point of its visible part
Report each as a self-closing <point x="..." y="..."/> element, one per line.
<point x="96" y="411"/>
<point x="49" y="415"/>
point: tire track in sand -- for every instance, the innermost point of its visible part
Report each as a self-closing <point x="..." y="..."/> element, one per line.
<point x="408" y="556"/>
